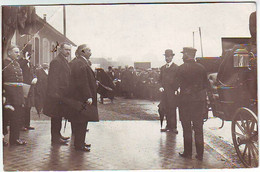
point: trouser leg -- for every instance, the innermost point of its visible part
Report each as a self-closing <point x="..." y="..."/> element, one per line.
<point x="80" y="134"/>
<point x="187" y="136"/>
<point x="171" y="119"/>
<point x="199" y="140"/>
<point x="55" y="127"/>
<point x="27" y="116"/>
<point x="15" y="123"/>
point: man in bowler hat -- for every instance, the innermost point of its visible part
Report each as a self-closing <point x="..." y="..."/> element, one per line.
<point x="169" y="86"/>
<point x="193" y="83"/>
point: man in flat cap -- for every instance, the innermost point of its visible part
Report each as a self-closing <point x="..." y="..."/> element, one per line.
<point x="83" y="88"/>
<point x="169" y="86"/>
<point x="193" y="83"/>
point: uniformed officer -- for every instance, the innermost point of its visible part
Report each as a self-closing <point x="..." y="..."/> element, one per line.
<point x="13" y="86"/>
<point x="193" y="83"/>
<point x="169" y="86"/>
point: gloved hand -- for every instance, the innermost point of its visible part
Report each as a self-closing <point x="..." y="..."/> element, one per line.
<point x="34" y="81"/>
<point x="89" y="101"/>
<point x="161" y="89"/>
<point x="9" y="107"/>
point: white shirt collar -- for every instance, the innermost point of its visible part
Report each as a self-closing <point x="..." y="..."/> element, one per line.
<point x="170" y="63"/>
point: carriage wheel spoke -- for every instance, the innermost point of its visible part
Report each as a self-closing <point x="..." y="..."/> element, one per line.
<point x="241" y="128"/>
<point x="247" y="125"/>
<point x="249" y="155"/>
<point x="254" y="148"/>
<point x="252" y="127"/>
<point x="254" y="154"/>
<point x="244" y="151"/>
<point x="241" y="135"/>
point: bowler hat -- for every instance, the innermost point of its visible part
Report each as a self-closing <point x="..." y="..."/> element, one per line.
<point x="169" y="52"/>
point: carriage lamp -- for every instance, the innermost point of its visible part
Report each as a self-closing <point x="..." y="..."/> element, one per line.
<point x="241" y="58"/>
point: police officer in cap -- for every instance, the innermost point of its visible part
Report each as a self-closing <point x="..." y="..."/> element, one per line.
<point x="193" y="83"/>
<point x="13" y="88"/>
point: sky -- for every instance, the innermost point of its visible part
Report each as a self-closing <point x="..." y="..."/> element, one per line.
<point x="131" y="33"/>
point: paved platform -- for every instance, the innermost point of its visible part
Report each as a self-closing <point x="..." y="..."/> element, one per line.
<point x="116" y="145"/>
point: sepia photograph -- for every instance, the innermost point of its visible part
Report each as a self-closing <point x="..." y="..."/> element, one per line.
<point x="121" y="85"/>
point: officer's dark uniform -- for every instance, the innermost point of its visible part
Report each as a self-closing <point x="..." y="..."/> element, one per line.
<point x="12" y="73"/>
<point x="193" y="83"/>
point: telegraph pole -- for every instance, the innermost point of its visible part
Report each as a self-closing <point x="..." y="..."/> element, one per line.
<point x="64" y="20"/>
<point x="201" y="43"/>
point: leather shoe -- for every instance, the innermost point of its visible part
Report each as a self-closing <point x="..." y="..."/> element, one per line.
<point x="24" y="129"/>
<point x="184" y="155"/>
<point x="29" y="128"/>
<point x="164" y="129"/>
<point x="18" y="142"/>
<point x="64" y="138"/>
<point x="87" y="145"/>
<point x="175" y="131"/>
<point x="199" y="157"/>
<point x="84" y="149"/>
<point x="59" y="142"/>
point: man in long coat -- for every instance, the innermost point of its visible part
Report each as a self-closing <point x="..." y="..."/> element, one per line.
<point x="169" y="86"/>
<point x="193" y="84"/>
<point x="57" y="90"/>
<point x="83" y="88"/>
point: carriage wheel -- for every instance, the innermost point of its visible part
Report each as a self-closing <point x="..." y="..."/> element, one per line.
<point x="245" y="136"/>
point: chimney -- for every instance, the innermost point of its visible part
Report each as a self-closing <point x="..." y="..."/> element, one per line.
<point x="44" y="17"/>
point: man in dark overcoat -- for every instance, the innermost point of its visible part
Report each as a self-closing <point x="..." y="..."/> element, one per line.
<point x="29" y="78"/>
<point x="13" y="93"/>
<point x="57" y="90"/>
<point x="193" y="84"/>
<point x="83" y="88"/>
<point x="169" y="86"/>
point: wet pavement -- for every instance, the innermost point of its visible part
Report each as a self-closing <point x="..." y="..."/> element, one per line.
<point x="124" y="144"/>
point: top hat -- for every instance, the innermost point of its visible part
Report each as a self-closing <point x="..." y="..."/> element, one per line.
<point x="189" y="50"/>
<point x="169" y="52"/>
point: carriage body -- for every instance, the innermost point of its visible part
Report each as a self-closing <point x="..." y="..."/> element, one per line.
<point x="232" y="96"/>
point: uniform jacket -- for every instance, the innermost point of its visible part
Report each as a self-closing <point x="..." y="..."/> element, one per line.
<point x="193" y="82"/>
<point x="82" y="85"/>
<point x="57" y="87"/>
<point x="13" y="73"/>
<point x="168" y="80"/>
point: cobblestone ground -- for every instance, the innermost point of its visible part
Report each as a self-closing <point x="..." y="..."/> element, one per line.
<point x="121" y="140"/>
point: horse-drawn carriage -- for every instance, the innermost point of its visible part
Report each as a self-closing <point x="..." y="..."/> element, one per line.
<point x="232" y="96"/>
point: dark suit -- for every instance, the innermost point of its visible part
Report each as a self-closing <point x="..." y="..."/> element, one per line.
<point x="57" y="89"/>
<point x="193" y="83"/>
<point x="40" y="89"/>
<point x="168" y="80"/>
<point x="28" y="75"/>
<point x="12" y="73"/>
<point x="82" y="87"/>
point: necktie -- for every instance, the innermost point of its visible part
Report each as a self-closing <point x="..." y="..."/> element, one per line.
<point x="167" y="65"/>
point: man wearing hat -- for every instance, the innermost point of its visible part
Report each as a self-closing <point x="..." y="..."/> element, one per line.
<point x="193" y="83"/>
<point x="169" y="86"/>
